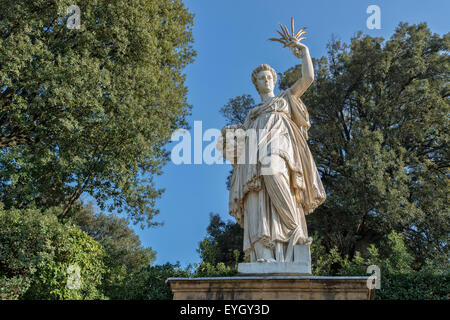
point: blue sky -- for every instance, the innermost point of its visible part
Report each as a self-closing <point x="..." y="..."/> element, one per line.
<point x="231" y="40"/>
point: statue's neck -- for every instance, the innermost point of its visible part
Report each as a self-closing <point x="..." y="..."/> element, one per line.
<point x="266" y="97"/>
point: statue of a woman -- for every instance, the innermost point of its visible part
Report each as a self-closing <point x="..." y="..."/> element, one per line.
<point x="270" y="198"/>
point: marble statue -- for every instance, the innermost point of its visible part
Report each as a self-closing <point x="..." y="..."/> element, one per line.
<point x="271" y="196"/>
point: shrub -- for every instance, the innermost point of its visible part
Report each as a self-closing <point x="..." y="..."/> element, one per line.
<point x="36" y="255"/>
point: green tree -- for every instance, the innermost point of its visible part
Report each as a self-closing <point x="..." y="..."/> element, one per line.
<point x="398" y="280"/>
<point x="126" y="259"/>
<point x="36" y="252"/>
<point x="236" y="109"/>
<point x="90" y="109"/>
<point x="223" y="243"/>
<point x="379" y="111"/>
<point x="157" y="288"/>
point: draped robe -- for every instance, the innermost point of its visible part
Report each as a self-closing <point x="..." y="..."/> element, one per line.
<point x="278" y="207"/>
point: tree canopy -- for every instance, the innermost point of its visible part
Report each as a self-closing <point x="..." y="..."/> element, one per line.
<point x="223" y="242"/>
<point x="126" y="260"/>
<point x="90" y="109"/>
<point x="85" y="111"/>
<point x="37" y="252"/>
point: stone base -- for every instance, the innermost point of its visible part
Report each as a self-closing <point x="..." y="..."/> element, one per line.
<point x="271" y="288"/>
<point x="300" y="266"/>
<point x="274" y="268"/>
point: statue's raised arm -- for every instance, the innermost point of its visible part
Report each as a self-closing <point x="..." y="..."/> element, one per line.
<point x="292" y="41"/>
<point x="302" y="84"/>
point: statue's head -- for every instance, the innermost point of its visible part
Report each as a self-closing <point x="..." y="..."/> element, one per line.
<point x="264" y="78"/>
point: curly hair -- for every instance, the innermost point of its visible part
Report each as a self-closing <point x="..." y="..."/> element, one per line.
<point x="263" y="67"/>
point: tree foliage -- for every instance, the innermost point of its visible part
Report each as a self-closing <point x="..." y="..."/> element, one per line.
<point x="126" y="259"/>
<point x="237" y="109"/>
<point x="223" y="244"/>
<point x="398" y="280"/>
<point x="90" y="109"/>
<point x="36" y="251"/>
<point x="158" y="289"/>
<point x="380" y="122"/>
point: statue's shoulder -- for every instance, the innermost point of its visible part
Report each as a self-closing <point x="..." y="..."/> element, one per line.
<point x="286" y="93"/>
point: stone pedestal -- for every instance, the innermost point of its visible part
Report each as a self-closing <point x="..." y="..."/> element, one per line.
<point x="271" y="288"/>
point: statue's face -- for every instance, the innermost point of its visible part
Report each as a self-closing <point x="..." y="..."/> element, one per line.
<point x="264" y="82"/>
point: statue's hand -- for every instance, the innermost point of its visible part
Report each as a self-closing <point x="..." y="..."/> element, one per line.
<point x="297" y="48"/>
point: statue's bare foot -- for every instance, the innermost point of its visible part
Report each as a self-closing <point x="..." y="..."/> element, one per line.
<point x="261" y="260"/>
<point x="306" y="241"/>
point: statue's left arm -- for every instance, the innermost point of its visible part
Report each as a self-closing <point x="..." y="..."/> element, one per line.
<point x="301" y="85"/>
